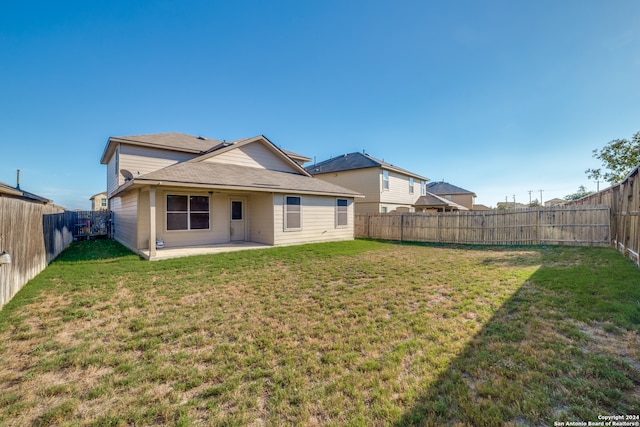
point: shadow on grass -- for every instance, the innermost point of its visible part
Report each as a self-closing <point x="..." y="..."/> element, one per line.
<point x="563" y="348"/>
<point x="92" y="250"/>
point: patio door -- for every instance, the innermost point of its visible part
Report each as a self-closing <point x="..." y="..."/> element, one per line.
<point x="238" y="225"/>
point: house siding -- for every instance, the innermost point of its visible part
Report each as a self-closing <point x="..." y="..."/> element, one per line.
<point x="260" y="214"/>
<point x="253" y="155"/>
<point x="112" y="173"/>
<point x="318" y="221"/>
<point x="125" y="219"/>
<point x="398" y="192"/>
<point x="218" y="221"/>
<point x="143" y="160"/>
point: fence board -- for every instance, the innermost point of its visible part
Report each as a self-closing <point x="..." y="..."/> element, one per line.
<point x="624" y="200"/>
<point x="33" y="235"/>
<point x="578" y="225"/>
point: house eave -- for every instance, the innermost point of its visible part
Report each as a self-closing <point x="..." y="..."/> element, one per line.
<point x="141" y="182"/>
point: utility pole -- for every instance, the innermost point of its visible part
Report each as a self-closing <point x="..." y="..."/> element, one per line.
<point x="597" y="185"/>
<point x="541" y="202"/>
<point x="506" y="202"/>
<point x="530" y="191"/>
<point x="514" y="201"/>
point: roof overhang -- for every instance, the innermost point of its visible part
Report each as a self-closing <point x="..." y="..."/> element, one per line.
<point x="142" y="182"/>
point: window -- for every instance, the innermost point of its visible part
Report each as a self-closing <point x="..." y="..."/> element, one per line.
<point x="385" y="180"/>
<point x="292" y="213"/>
<point x="342" y="217"/>
<point x="103" y="203"/>
<point x="383" y="209"/>
<point x="423" y="188"/>
<point x="236" y="210"/>
<point x="410" y="185"/>
<point x="187" y="212"/>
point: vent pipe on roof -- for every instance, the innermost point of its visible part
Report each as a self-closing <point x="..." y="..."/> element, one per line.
<point x="18" y="180"/>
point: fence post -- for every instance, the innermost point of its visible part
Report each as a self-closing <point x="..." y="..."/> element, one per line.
<point x="402" y="227"/>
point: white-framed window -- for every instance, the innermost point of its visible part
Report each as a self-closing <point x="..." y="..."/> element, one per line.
<point x="187" y="212"/>
<point x="383" y="209"/>
<point x="410" y="185"/>
<point x="103" y="203"/>
<point x="385" y="180"/>
<point x="423" y="188"/>
<point x="292" y="213"/>
<point x="342" y="216"/>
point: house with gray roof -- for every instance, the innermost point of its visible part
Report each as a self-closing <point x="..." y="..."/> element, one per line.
<point x="174" y="190"/>
<point x="452" y="193"/>
<point x="386" y="187"/>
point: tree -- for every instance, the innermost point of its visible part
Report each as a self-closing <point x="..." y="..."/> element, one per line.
<point x="619" y="156"/>
<point x="582" y="192"/>
<point x="535" y="204"/>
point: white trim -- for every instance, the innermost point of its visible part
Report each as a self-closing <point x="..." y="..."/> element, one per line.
<point x="337" y="224"/>
<point x="188" y="212"/>
<point x="284" y="205"/>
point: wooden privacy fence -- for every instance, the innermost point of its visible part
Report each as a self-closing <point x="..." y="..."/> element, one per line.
<point x="624" y="200"/>
<point x="32" y="234"/>
<point x="578" y="225"/>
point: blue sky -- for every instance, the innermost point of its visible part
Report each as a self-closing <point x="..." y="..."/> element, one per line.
<point x="498" y="97"/>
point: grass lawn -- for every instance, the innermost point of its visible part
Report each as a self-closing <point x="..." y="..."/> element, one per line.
<point x="350" y="333"/>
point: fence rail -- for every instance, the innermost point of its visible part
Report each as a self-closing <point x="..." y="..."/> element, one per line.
<point x="576" y="225"/>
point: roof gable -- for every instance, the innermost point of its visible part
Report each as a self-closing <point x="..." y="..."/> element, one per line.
<point x="257" y="152"/>
<point x="353" y="161"/>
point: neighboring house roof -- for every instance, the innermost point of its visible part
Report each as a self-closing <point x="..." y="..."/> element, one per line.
<point x="13" y="191"/>
<point x="555" y="201"/>
<point x="297" y="157"/>
<point x="354" y="161"/>
<point x="446" y="188"/>
<point x="431" y="200"/>
<point x="226" y="176"/>
<point x="480" y="207"/>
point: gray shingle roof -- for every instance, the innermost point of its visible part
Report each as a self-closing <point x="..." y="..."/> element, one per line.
<point x="446" y="188"/>
<point x="436" y="201"/>
<point x="13" y="191"/>
<point x="171" y="140"/>
<point x="242" y="177"/>
<point x="354" y="161"/>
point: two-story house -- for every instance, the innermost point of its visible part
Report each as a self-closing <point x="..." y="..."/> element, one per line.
<point x="387" y="188"/>
<point x="99" y="201"/>
<point x="175" y="190"/>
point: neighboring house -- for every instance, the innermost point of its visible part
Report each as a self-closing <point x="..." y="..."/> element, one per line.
<point x="187" y="190"/>
<point x="387" y="188"/>
<point x="555" y="202"/>
<point x="99" y="202"/>
<point x="452" y="193"/>
<point x="16" y="192"/>
<point x="432" y="203"/>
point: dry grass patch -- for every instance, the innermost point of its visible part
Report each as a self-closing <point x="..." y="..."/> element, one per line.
<point x="355" y="333"/>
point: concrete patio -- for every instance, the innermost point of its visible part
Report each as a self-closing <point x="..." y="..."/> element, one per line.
<point x="184" y="251"/>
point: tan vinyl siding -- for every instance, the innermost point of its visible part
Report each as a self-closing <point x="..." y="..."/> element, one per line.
<point x="112" y="174"/>
<point x="398" y="192"/>
<point x="142" y="160"/>
<point x="260" y="216"/>
<point x="465" y="200"/>
<point x="254" y="155"/>
<point x="318" y="221"/>
<point x="218" y="221"/>
<point x="125" y="219"/>
<point x="365" y="181"/>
